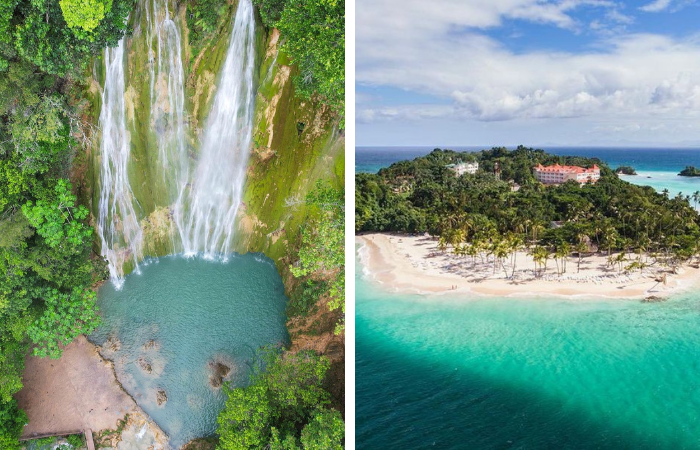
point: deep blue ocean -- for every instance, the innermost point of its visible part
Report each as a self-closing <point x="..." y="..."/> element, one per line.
<point x="458" y="372"/>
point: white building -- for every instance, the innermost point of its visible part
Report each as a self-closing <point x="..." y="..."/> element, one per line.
<point x="558" y="174"/>
<point x="462" y="168"/>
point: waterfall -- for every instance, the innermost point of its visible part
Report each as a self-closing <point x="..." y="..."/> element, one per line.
<point x="167" y="95"/>
<point x="204" y="202"/>
<point x="117" y="222"/>
<point x="205" y="216"/>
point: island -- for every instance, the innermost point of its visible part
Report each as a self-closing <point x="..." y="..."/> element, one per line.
<point x="690" y="171"/>
<point x="562" y="232"/>
<point x="625" y="170"/>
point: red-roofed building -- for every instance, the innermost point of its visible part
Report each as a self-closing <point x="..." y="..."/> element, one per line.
<point x="558" y="174"/>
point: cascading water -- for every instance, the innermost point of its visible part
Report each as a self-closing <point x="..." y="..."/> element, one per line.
<point x="205" y="216"/>
<point x="167" y="95"/>
<point x="204" y="203"/>
<point x="117" y="223"/>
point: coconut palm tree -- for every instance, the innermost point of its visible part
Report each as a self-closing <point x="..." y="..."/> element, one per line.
<point x="540" y="255"/>
<point x="580" y="248"/>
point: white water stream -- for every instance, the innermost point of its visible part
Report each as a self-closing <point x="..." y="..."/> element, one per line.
<point x="205" y="217"/>
<point x="168" y="118"/>
<point x="117" y="221"/>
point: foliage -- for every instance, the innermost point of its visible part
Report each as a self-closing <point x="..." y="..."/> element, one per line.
<point x="305" y="296"/>
<point x="75" y="440"/>
<point x="270" y="11"/>
<point x="66" y="317"/>
<point x="284" y="395"/>
<point x="85" y="14"/>
<point x="58" y="220"/>
<point x="626" y="170"/>
<point x="314" y="39"/>
<point x="41" y="135"/>
<point x="324" y="432"/>
<point x="202" y="19"/>
<point x="60" y="43"/>
<point x="690" y="171"/>
<point x="322" y="253"/>
<point x="45" y="244"/>
<point x="12" y="421"/>
<point x="483" y="214"/>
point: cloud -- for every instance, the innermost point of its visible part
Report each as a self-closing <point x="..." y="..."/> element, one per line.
<point x="666" y="5"/>
<point x="403" y="112"/>
<point x="656" y="6"/>
<point x="438" y="48"/>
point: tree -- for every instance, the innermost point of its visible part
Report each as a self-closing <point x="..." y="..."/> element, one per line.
<point x="66" y="317"/>
<point x="61" y="44"/>
<point x="581" y="247"/>
<point x="284" y="396"/>
<point x="12" y="421"/>
<point x="58" y="220"/>
<point x="322" y="252"/>
<point x="270" y="11"/>
<point x="540" y="255"/>
<point x="84" y="14"/>
<point x="314" y="33"/>
<point x="325" y="431"/>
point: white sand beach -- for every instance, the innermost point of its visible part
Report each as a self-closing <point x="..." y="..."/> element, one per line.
<point x="414" y="264"/>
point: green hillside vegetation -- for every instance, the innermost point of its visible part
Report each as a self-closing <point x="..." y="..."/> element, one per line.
<point x="47" y="267"/>
<point x="283" y="408"/>
<point x="480" y="214"/>
<point x="314" y="39"/>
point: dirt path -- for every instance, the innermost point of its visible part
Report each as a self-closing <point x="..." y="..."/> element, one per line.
<point x="76" y="392"/>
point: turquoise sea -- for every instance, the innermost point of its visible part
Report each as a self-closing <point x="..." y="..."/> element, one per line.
<point x="515" y="373"/>
<point x="527" y="373"/>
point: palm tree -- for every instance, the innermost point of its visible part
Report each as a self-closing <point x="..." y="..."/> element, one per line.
<point x="696" y="198"/>
<point x="560" y="253"/>
<point x="580" y="248"/>
<point x="515" y="243"/>
<point x="540" y="255"/>
<point x="619" y="259"/>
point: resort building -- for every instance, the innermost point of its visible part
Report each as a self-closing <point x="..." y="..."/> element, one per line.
<point x="557" y="174"/>
<point x="462" y="168"/>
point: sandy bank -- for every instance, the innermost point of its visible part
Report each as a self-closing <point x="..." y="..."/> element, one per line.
<point x="79" y="391"/>
<point x="413" y="264"/>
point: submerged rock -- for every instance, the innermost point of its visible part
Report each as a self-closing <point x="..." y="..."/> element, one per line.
<point x="151" y="345"/>
<point x="219" y="372"/>
<point x="145" y="365"/>
<point x="161" y="397"/>
<point x="653" y="299"/>
<point x="113" y="344"/>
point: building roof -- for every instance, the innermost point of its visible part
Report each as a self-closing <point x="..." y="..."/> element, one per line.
<point x="557" y="168"/>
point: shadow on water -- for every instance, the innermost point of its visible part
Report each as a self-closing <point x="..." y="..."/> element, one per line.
<point x="403" y="402"/>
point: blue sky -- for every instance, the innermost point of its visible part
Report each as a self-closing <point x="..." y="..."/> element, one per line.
<point x="533" y="72"/>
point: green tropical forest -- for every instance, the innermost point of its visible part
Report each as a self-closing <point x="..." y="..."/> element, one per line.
<point x="50" y="264"/>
